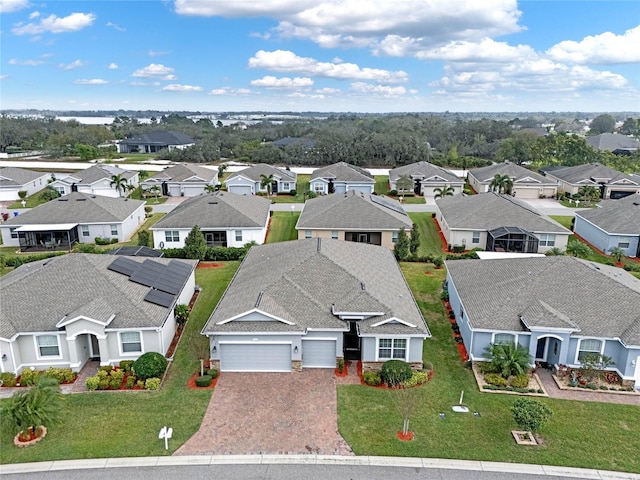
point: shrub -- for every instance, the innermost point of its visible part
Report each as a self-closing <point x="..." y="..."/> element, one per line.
<point x="103" y="384"/>
<point x="115" y="382"/>
<point x="293" y="192"/>
<point x="392" y="193"/>
<point x="126" y="365"/>
<point x="150" y="364"/>
<point x="438" y="262"/>
<point x="340" y="365"/>
<point x="444" y="295"/>
<point x="428" y="366"/>
<point x="417" y="378"/>
<point x="520" y="381"/>
<point x="60" y="375"/>
<point x="485" y="367"/>
<point x="8" y="379"/>
<point x="395" y="372"/>
<point x="106" y="368"/>
<point x="203" y="381"/>
<point x="28" y="377"/>
<point x="371" y="378"/>
<point x="592" y="386"/>
<point x="152" y="383"/>
<point x="91" y="383"/>
<point x="140" y="384"/>
<point x="495" y="379"/>
<point x="102" y="241"/>
<point x="212" y="372"/>
<point x="102" y="374"/>
<point x="119" y="374"/>
<point x="530" y="414"/>
<point x="131" y="381"/>
<point x="312" y="194"/>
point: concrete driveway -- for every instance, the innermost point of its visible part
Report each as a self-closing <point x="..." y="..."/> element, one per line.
<point x="276" y="413"/>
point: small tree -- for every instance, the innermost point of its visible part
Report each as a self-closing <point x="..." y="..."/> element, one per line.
<point x="181" y="313"/>
<point x="592" y="365"/>
<point x="148" y="210"/>
<point x="414" y="242"/>
<point x="617" y="253"/>
<point x="195" y="246"/>
<point x="530" y="415"/>
<point x="142" y="174"/>
<point x="221" y="169"/>
<point x="22" y="194"/>
<point x="156" y="191"/>
<point x="508" y="358"/>
<point x="198" y="346"/>
<point x="48" y="193"/>
<point x="404" y="184"/>
<point x="401" y="248"/>
<point x="578" y="249"/>
<point x="144" y="238"/>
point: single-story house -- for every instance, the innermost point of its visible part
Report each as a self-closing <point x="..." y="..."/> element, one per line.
<point x="426" y="179"/>
<point x="526" y="184"/>
<point x="182" y="180"/>
<point x="498" y="223"/>
<point x="612" y="184"/>
<point x="77" y="217"/>
<point x="14" y="180"/>
<point x="96" y="180"/>
<point x="615" y="223"/>
<point x="249" y="180"/>
<point x="355" y="217"/>
<point x="558" y="307"/>
<point x="308" y="303"/>
<point x="65" y="310"/>
<point x="341" y="177"/>
<point x="153" y="142"/>
<point x="225" y="219"/>
<point x="614" y="143"/>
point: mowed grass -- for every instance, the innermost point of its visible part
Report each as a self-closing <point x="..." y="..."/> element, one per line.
<point x="121" y="424"/>
<point x="430" y="243"/>
<point x="579" y="434"/>
<point x="302" y="187"/>
<point x="283" y="227"/>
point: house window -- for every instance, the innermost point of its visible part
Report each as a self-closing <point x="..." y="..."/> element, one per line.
<point x="85" y="230"/>
<point x="318" y="187"/>
<point x="307" y="234"/>
<point x="130" y="342"/>
<point x="547" y="240"/>
<point x="623" y="244"/>
<point x="172" y="235"/>
<point x="48" y="346"/>
<point x="504" y="339"/>
<point x="285" y="186"/>
<point x="587" y="346"/>
<point x="392" y="348"/>
<point x="334" y="234"/>
<point x="476" y="237"/>
<point x="238" y="235"/>
<point x="60" y="190"/>
<point x="114" y="230"/>
<point x="394" y="237"/>
<point x="14" y="234"/>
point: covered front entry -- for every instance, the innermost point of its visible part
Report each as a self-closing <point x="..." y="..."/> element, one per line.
<point x="548" y="350"/>
<point x="255" y="357"/>
<point x="318" y="353"/>
<point x="511" y="239"/>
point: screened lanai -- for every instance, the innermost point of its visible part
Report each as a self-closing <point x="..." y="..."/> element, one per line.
<point x="511" y="239"/>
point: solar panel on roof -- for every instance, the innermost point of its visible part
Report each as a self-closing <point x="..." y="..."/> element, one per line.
<point x="124" y="265"/>
<point x="147" y="273"/>
<point x="387" y="204"/>
<point x="168" y="284"/>
<point x="159" y="298"/>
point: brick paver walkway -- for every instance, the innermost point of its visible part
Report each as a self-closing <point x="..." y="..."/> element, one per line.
<point x="278" y="413"/>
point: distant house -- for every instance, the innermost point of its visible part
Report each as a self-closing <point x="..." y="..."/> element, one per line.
<point x="66" y="310"/>
<point x="611" y="183"/>
<point x="182" y="180"/>
<point x="614" y="143"/>
<point x="95" y="180"/>
<point x="308" y="303"/>
<point x="76" y="217"/>
<point x="616" y="223"/>
<point x="14" y="180"/>
<point x="249" y="180"/>
<point x="426" y="179"/>
<point x="355" y="217"/>
<point x="526" y="184"/>
<point x="341" y="177"/>
<point x="560" y="308"/>
<point x="225" y="219"/>
<point x="498" y="223"/>
<point x="153" y="142"/>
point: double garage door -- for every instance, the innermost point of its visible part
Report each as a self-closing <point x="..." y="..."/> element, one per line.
<point x="255" y="357"/>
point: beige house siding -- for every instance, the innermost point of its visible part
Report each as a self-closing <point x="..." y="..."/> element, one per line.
<point x="386" y="236"/>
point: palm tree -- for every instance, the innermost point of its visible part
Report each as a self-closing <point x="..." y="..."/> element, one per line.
<point x="553" y="252"/>
<point x="587" y="193"/>
<point x="119" y="183"/>
<point x="578" y="249"/>
<point x="209" y="188"/>
<point x="221" y="169"/>
<point x="155" y="190"/>
<point x="501" y="184"/>
<point x="441" y="192"/>
<point x="130" y="187"/>
<point x="266" y="181"/>
<point x="142" y="174"/>
<point x="508" y="358"/>
<point x="617" y="253"/>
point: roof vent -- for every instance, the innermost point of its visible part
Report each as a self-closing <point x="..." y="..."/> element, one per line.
<point x="319" y="245"/>
<point x="259" y="299"/>
<point x="362" y="286"/>
<point x="63" y="199"/>
<point x="212" y="202"/>
<point x="81" y="199"/>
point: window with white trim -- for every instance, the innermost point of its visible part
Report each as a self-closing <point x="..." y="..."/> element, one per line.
<point x="334" y="234"/>
<point x="318" y="187"/>
<point x="587" y="346"/>
<point x="114" y="230"/>
<point x="476" y="237"/>
<point x="130" y="342"/>
<point x="85" y="230"/>
<point x="48" y="345"/>
<point x="172" y="235"/>
<point x="547" y="240"/>
<point x="392" y="348"/>
<point x="14" y="234"/>
<point x="285" y="186"/>
<point x="307" y="234"/>
<point x="623" y="244"/>
<point x="60" y="190"/>
<point x="238" y="235"/>
<point x="504" y="339"/>
<point x="394" y="237"/>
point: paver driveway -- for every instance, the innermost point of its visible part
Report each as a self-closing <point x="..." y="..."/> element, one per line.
<point x="252" y="413"/>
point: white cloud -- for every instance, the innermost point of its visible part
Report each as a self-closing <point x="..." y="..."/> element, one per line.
<point x="55" y="24"/>
<point x="30" y="62"/>
<point x="73" y="65"/>
<point x="115" y="26"/>
<point x="155" y="70"/>
<point x="286" y="61"/>
<point x="8" y="6"/>
<point x="328" y="90"/>
<point x="4" y="77"/>
<point x="145" y="84"/>
<point x="230" y="91"/>
<point x="269" y="8"/>
<point x="384" y="90"/>
<point x="282" y="82"/>
<point x="604" y="49"/>
<point x="175" y="87"/>
<point x="33" y="15"/>
<point x="486" y="50"/>
<point x="113" y="66"/>
<point x="155" y="53"/>
<point x="90" y="81"/>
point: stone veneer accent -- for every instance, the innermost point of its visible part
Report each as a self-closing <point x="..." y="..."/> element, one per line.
<point x="296" y="365"/>
<point x="215" y="364"/>
<point x="377" y="366"/>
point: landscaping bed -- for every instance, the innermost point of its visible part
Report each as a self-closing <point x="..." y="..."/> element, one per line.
<point x="567" y="378"/>
<point x="490" y="383"/>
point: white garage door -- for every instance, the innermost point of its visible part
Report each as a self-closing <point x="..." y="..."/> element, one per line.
<point x="239" y="189"/>
<point x="528" y="193"/>
<point x="192" y="191"/>
<point x="258" y="357"/>
<point x="318" y="353"/>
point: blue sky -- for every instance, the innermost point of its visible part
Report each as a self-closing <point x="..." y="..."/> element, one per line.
<point x="321" y="55"/>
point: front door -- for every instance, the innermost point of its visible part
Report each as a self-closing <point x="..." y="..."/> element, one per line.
<point x="540" y="348"/>
<point x="94" y="348"/>
<point x="351" y="341"/>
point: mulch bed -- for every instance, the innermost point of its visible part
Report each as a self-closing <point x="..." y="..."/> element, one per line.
<point x="405" y="438"/>
<point x="192" y="382"/>
<point x="209" y="265"/>
<point x="462" y="350"/>
<point x="344" y="370"/>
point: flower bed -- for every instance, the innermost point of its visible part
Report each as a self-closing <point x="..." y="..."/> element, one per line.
<point x="568" y="378"/>
<point x="120" y="378"/>
<point x="494" y="383"/>
<point x="28" y="377"/>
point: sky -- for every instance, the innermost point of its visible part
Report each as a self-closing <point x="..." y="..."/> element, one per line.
<point x="321" y="55"/>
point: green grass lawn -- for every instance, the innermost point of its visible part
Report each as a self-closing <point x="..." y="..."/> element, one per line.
<point x="579" y="434"/>
<point x="382" y="184"/>
<point x="430" y="243"/>
<point x="283" y="227"/>
<point x="302" y="186"/>
<point x="108" y="424"/>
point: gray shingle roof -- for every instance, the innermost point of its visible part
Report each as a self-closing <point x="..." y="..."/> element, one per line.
<point x="255" y="173"/>
<point x="343" y="172"/>
<point x="426" y="170"/>
<point x="353" y="210"/>
<point x="613" y="142"/>
<point x="96" y="173"/>
<point x="14" y="176"/>
<point x="160" y="138"/>
<point x="218" y="210"/>
<point x="616" y="216"/>
<point x="180" y="173"/>
<point x="38" y="295"/>
<point x="588" y="173"/>
<point x="300" y="281"/>
<point x="490" y="210"/>
<point x="79" y="208"/>
<point x="516" y="172"/>
<point x="495" y="292"/>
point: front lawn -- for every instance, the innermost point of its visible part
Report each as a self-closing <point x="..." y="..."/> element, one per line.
<point x="283" y="227"/>
<point x="430" y="243"/>
<point x="123" y="424"/>
<point x="579" y="434"/>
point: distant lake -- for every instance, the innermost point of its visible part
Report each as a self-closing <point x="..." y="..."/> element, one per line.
<point x="109" y="120"/>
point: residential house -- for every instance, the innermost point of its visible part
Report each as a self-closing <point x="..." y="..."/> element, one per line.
<point x="341" y="177"/>
<point x="182" y="180"/>
<point x="611" y="183"/>
<point x="560" y="308"/>
<point x="77" y="217"/>
<point x="153" y="142"/>
<point x="225" y="219"/>
<point x="355" y="217"/>
<point x="428" y="179"/>
<point x="65" y="310"/>
<point x="97" y="180"/>
<point x="249" y="180"/>
<point x="615" y="223"/>
<point x="308" y="303"/>
<point x="14" y="180"/>
<point x="614" y="143"/>
<point x="498" y="223"/>
<point x="526" y="184"/>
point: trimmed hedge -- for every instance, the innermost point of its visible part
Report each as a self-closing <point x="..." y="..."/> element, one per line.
<point x="212" y="254"/>
<point x="203" y="381"/>
<point x="395" y="372"/>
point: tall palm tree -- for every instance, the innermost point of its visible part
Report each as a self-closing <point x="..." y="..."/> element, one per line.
<point x="266" y="181"/>
<point x="142" y="174"/>
<point x="155" y="190"/>
<point x="501" y="184"/>
<point x="209" y="188"/>
<point x="441" y="192"/>
<point x="119" y="183"/>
